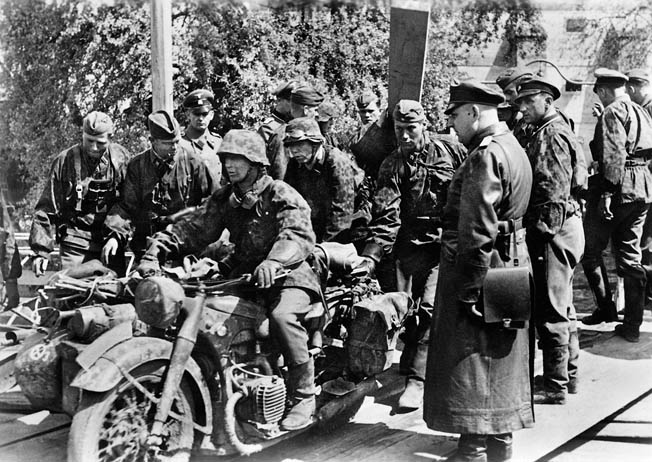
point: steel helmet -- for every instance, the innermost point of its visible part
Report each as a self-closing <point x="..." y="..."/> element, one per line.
<point x="303" y="129"/>
<point x="245" y="143"/>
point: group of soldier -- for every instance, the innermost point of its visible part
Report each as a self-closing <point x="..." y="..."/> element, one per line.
<point x="431" y="214"/>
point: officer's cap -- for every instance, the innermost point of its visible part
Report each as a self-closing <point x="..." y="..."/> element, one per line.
<point x="305" y="95"/>
<point x="284" y="90"/>
<point x="638" y="75"/>
<point x="408" y="111"/>
<point x="97" y="124"/>
<point x="199" y="99"/>
<point x="606" y="76"/>
<point x="512" y="75"/>
<point x="245" y="143"/>
<point x="535" y="85"/>
<point x="327" y="111"/>
<point x="163" y="126"/>
<point x="365" y="99"/>
<point x="472" y="92"/>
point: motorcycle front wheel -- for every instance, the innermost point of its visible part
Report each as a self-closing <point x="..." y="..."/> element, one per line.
<point x="114" y="426"/>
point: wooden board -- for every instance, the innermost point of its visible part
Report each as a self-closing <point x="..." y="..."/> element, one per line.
<point x="408" y="48"/>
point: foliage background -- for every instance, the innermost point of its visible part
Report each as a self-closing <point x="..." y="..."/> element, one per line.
<point x="64" y="58"/>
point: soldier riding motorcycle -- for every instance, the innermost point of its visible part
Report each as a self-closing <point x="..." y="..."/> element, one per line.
<point x="207" y="373"/>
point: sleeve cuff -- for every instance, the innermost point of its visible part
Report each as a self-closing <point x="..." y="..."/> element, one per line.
<point x="373" y="251"/>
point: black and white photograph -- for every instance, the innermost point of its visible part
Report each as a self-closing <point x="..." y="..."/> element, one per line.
<point x="325" y="231"/>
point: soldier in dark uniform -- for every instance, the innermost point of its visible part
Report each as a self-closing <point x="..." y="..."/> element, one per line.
<point x="269" y="223"/>
<point x="617" y="204"/>
<point x="304" y="101"/>
<point x="83" y="184"/>
<point x="478" y="375"/>
<point x="324" y="176"/>
<point x="327" y="114"/>
<point x="281" y="113"/>
<point x="10" y="265"/>
<point x="160" y="182"/>
<point x="407" y="205"/>
<point x="555" y="236"/>
<point x="197" y="137"/>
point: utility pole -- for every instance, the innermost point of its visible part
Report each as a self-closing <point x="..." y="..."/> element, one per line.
<point x="161" y="55"/>
<point x="408" y="48"/>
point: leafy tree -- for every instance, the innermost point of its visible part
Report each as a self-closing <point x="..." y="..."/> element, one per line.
<point x="65" y="58"/>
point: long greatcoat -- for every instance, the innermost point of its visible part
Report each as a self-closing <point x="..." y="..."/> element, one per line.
<point x="477" y="377"/>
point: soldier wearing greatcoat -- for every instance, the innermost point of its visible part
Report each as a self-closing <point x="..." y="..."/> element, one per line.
<point x="478" y="375"/>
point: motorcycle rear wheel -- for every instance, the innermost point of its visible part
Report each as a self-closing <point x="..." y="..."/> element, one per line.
<point x="113" y="426"/>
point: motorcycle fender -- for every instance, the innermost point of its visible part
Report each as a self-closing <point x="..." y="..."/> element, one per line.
<point x="106" y="372"/>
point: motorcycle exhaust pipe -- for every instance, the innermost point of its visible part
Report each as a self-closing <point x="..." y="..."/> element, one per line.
<point x="183" y="346"/>
<point x="340" y="404"/>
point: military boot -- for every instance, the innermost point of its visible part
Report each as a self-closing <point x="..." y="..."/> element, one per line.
<point x="301" y="390"/>
<point x="599" y="284"/>
<point x="415" y="367"/>
<point x="555" y="376"/>
<point x="499" y="447"/>
<point x="470" y="448"/>
<point x="634" y="307"/>
<point x="573" y="361"/>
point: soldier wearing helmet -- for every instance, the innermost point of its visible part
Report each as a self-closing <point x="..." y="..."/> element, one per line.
<point x="269" y="224"/>
<point x="324" y="176"/>
<point x="81" y="188"/>
<point x="304" y="101"/>
<point x="160" y="182"/>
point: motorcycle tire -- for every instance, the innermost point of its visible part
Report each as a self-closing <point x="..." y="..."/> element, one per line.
<point x="113" y="426"/>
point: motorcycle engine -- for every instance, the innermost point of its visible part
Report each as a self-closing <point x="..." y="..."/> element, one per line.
<point x="265" y="402"/>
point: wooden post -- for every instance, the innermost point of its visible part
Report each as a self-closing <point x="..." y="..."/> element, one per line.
<point x="162" y="55"/>
<point x="408" y="47"/>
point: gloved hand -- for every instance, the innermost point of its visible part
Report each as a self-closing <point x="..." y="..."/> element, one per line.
<point x="265" y="273"/>
<point x="366" y="268"/>
<point x="605" y="207"/>
<point x="597" y="110"/>
<point x="109" y="250"/>
<point x="472" y="310"/>
<point x="148" y="266"/>
<point x="39" y="265"/>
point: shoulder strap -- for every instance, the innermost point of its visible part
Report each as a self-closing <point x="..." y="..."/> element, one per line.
<point x="79" y="188"/>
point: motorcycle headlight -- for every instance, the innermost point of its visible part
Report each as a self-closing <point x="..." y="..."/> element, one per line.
<point x="158" y="301"/>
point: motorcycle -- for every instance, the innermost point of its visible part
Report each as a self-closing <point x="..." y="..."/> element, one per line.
<point x="189" y="366"/>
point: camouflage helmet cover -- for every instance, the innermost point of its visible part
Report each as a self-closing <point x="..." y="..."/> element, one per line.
<point x="245" y="143"/>
<point x="303" y="129"/>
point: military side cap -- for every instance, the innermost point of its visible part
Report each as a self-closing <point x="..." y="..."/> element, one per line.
<point x="198" y="99"/>
<point x="284" y="90"/>
<point x="638" y="75"/>
<point x="408" y="111"/>
<point x="535" y="85"/>
<point x="511" y="75"/>
<point x="306" y="96"/>
<point x="302" y="129"/>
<point x="98" y="123"/>
<point x="365" y="99"/>
<point x="606" y="76"/>
<point x="245" y="143"/>
<point x="472" y="92"/>
<point x="163" y="126"/>
<point x="327" y="111"/>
